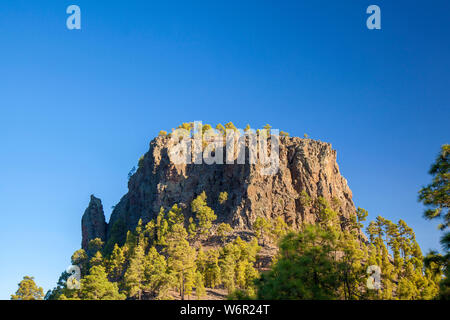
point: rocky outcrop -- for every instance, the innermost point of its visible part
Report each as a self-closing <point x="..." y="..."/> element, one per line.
<point x="305" y="166"/>
<point x="93" y="224"/>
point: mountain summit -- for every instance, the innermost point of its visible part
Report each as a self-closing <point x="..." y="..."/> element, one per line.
<point x="238" y="193"/>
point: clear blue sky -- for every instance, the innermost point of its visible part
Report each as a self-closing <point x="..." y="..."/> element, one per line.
<point x="78" y="108"/>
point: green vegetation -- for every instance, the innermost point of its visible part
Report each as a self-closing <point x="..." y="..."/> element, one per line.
<point x="261" y="227"/>
<point x="164" y="258"/>
<point x="141" y="162"/>
<point x="186" y="126"/>
<point x="204" y="214"/>
<point x="96" y="286"/>
<point x="28" y="290"/>
<point x="224" y="230"/>
<point x="223" y="197"/>
<point x="230" y="126"/>
<point x="436" y="196"/>
<point x="322" y="261"/>
<point x="269" y="230"/>
<point x="221" y="129"/>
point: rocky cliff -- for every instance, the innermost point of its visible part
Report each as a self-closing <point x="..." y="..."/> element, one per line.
<point x="305" y="165"/>
<point x="93" y="224"/>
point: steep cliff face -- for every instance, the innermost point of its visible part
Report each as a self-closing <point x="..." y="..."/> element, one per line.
<point x="305" y="165"/>
<point x="93" y="224"/>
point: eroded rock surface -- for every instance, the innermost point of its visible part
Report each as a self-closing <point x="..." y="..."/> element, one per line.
<point x="93" y="224"/>
<point x="305" y="165"/>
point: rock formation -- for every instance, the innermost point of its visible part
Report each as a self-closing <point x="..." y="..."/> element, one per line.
<point x="305" y="166"/>
<point x="93" y="224"/>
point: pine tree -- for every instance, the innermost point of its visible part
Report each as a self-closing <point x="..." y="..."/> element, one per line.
<point x="116" y="236"/>
<point x="181" y="259"/>
<point x="230" y="126"/>
<point x="221" y="129"/>
<point x="436" y="196"/>
<point x="200" y="290"/>
<point x="61" y="287"/>
<point x="192" y="229"/>
<point x="305" y="200"/>
<point x="94" y="246"/>
<point x="150" y="232"/>
<point x="236" y="264"/>
<point x="223" y="197"/>
<point x="211" y="271"/>
<point x="278" y="229"/>
<point x="405" y="277"/>
<point x="162" y="227"/>
<point x="96" y="286"/>
<point x="175" y="216"/>
<point x="261" y="227"/>
<point x="206" y="127"/>
<point x="186" y="126"/>
<point x="81" y="259"/>
<point x="134" y="276"/>
<point x="223" y="231"/>
<point x="96" y="260"/>
<point x="227" y="266"/>
<point x="204" y="214"/>
<point x="156" y="279"/>
<point x="305" y="268"/>
<point x="116" y="264"/>
<point x="28" y="290"/>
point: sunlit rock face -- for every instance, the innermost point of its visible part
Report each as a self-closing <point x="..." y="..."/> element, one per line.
<point x="304" y="165"/>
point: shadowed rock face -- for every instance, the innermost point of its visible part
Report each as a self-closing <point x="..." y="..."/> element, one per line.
<point x="305" y="165"/>
<point x="93" y="224"/>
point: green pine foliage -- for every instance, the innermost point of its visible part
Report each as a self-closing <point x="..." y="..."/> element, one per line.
<point x="164" y="258"/>
<point x="436" y="197"/>
<point x="328" y="259"/>
<point x="223" y="197"/>
<point x="28" y="290"/>
<point x="325" y="261"/>
<point x="205" y="216"/>
<point x="96" y="286"/>
<point x="223" y="231"/>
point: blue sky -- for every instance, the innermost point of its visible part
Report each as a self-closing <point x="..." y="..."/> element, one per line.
<point x="78" y="108"/>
